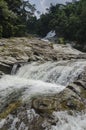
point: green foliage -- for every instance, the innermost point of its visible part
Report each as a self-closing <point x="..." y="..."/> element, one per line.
<point x="31" y="25"/>
<point x="69" y="21"/>
<point x="19" y="30"/>
<point x="5" y="13"/>
<point x="14" y="15"/>
<point x="42" y="25"/>
<point x="61" y="40"/>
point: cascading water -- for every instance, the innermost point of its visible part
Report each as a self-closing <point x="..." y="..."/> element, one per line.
<point x="67" y="122"/>
<point x="14" y="69"/>
<point x="62" y="72"/>
<point x="40" y="79"/>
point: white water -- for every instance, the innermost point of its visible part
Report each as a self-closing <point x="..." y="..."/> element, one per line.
<point x="50" y="34"/>
<point x="69" y="122"/>
<point x="62" y="72"/>
<point x="14" y="69"/>
<point x="41" y="78"/>
<point x="46" y="78"/>
<point x="9" y="84"/>
<point x="64" y="121"/>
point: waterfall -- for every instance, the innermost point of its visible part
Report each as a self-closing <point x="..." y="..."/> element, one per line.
<point x="14" y="69"/>
<point x="16" y="66"/>
<point x="37" y="78"/>
<point x="51" y="34"/>
<point x="62" y="72"/>
<point x="28" y="87"/>
<point x="41" y="78"/>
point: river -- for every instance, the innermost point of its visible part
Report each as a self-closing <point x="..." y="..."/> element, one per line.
<point x="44" y="79"/>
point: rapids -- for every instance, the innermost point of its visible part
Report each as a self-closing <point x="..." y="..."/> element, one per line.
<point x="41" y="79"/>
<point x="62" y="72"/>
<point x="68" y="122"/>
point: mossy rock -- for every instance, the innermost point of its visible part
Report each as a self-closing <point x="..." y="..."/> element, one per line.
<point x="71" y="104"/>
<point x="9" y="109"/>
<point x="44" y="104"/>
<point x="64" y="101"/>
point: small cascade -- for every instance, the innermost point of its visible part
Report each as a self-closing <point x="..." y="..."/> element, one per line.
<point x="62" y="72"/>
<point x="28" y="87"/>
<point x="51" y="34"/>
<point x="41" y="78"/>
<point x="64" y="121"/>
<point x="34" y="79"/>
<point x="15" y="68"/>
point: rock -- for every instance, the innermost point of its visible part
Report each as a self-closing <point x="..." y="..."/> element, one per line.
<point x="15" y="50"/>
<point x="38" y="110"/>
<point x="72" y="98"/>
<point x="2" y="44"/>
<point x="1" y="73"/>
<point x="65" y="100"/>
<point x="5" y="68"/>
<point x="44" y="105"/>
<point x="18" y="114"/>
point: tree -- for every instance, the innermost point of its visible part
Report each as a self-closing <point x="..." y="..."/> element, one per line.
<point x="6" y="17"/>
<point x="31" y="25"/>
<point x="81" y="33"/>
<point x="14" y="15"/>
<point x="69" y="21"/>
<point x="43" y="25"/>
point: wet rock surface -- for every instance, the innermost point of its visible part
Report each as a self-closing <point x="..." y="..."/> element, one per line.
<point x="33" y="49"/>
<point x="34" y="113"/>
<point x="73" y="97"/>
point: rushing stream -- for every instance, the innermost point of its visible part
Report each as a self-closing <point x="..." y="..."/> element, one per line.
<point x="44" y="78"/>
<point x="62" y="72"/>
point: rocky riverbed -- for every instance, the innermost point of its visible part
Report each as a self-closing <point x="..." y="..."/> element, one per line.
<point x="47" y="88"/>
<point x="33" y="49"/>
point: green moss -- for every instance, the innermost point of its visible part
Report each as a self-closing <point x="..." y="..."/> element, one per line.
<point x="11" y="107"/>
<point x="72" y="104"/>
<point x="64" y="106"/>
<point x="61" y="40"/>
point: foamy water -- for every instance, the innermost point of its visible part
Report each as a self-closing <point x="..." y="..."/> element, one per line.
<point x="41" y="79"/>
<point x="62" y="72"/>
<point x="9" y="84"/>
<point x="46" y="78"/>
<point x="69" y="122"/>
